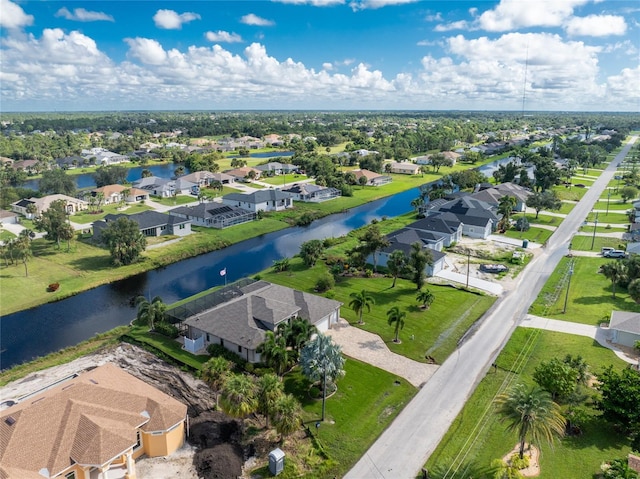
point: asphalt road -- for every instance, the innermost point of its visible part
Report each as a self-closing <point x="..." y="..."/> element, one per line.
<point x="404" y="447"/>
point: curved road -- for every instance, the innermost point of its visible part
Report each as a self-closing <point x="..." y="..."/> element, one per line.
<point x="404" y="447"/>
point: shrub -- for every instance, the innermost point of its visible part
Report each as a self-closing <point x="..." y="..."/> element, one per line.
<point x="330" y="294"/>
<point x="520" y="463"/>
<point x="325" y="283"/>
<point x="167" y="329"/>
<point x="219" y="350"/>
<point x="522" y="224"/>
<point x="53" y="287"/>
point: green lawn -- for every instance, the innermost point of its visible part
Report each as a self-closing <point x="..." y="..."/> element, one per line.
<point x="604" y="218"/>
<point x="614" y="205"/>
<point x="574" y="193"/>
<point x="603" y="229"/>
<point x="542" y="219"/>
<point x="282" y="179"/>
<point x="583" y="243"/>
<point x="566" y="208"/>
<point x="6" y="235"/>
<point x="367" y="401"/>
<point x="175" y="200"/>
<point x="435" y="331"/>
<point x="477" y="436"/>
<point x="537" y="235"/>
<point x="86" y="217"/>
<point x="590" y="298"/>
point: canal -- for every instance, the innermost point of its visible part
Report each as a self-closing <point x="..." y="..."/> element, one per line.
<point x="53" y="326"/>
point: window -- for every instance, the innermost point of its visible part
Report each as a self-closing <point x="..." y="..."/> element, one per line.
<point x="221" y="342"/>
<point x="208" y="338"/>
<point x="181" y="227"/>
<point x="70" y="475"/>
<point x="239" y="349"/>
<point x="138" y="441"/>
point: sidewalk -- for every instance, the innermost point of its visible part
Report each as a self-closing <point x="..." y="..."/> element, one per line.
<point x="513" y="241"/>
<point x="601" y="335"/>
<point x="476" y="283"/>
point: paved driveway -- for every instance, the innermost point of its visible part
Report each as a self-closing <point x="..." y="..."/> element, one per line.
<point x="371" y="349"/>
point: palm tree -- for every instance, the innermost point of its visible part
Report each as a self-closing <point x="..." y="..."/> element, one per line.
<point x="21" y="246"/>
<point x="615" y="271"/>
<point x="239" y="396"/>
<point x="419" y="258"/>
<point x="321" y="360"/>
<point x="281" y="265"/>
<point x="426" y="297"/>
<point x="179" y="171"/>
<point x="150" y="312"/>
<point x="298" y="332"/>
<point x="269" y="390"/>
<point x="360" y="301"/>
<point x="214" y="373"/>
<point x="532" y="413"/>
<point x="397" y="264"/>
<point x="274" y="352"/>
<point x="287" y="415"/>
<point x="394" y="315"/>
<point x="506" y="204"/>
<point x="417" y="203"/>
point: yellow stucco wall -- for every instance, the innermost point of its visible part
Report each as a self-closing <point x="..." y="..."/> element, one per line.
<point x="163" y="444"/>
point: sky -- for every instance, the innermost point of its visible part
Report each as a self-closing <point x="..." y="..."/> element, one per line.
<point x="513" y="55"/>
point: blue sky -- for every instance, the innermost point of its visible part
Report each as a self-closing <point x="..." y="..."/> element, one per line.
<point x="576" y="55"/>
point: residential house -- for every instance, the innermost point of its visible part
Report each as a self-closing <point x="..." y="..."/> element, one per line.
<point x="30" y="166"/>
<point x="636" y="211"/>
<point x="261" y="200"/>
<point x="404" y="168"/>
<point x="402" y="240"/>
<point x="242" y="174"/>
<point x="426" y="159"/>
<point x="104" y="157"/>
<point x="443" y="225"/>
<point x="8" y="217"/>
<point x="70" y="162"/>
<point x="240" y="323"/>
<point x="311" y="193"/>
<point x="213" y="215"/>
<point x="91" y="426"/>
<point x="373" y="178"/>
<point x="151" y="223"/>
<point x="625" y="328"/>
<point x="478" y="218"/>
<point x="492" y="194"/>
<point x="73" y="205"/>
<point x="161" y="187"/>
<point x="273" y="140"/>
<point x="276" y="168"/>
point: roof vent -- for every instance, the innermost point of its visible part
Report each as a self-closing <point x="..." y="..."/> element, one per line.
<point x="93" y="381"/>
<point x="10" y="420"/>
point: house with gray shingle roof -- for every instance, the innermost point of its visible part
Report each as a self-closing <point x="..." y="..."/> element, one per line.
<point x="151" y="223"/>
<point x="240" y="323"/>
<point x="213" y="215"/>
<point x="94" y="424"/>
<point x="625" y="328"/>
<point x="402" y="240"/>
<point x="261" y="200"/>
<point x="311" y="193"/>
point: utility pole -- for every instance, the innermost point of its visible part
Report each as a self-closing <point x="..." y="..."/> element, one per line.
<point x="608" y="197"/>
<point x="566" y="296"/>
<point x="468" y="265"/>
<point x="595" y="225"/>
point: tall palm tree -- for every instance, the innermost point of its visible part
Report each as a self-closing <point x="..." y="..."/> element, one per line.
<point x="394" y="315"/>
<point x="398" y="264"/>
<point x="531" y="413"/>
<point x="321" y="360"/>
<point x="419" y="258"/>
<point x="287" y="415"/>
<point x="270" y="388"/>
<point x="150" y="312"/>
<point x="361" y="301"/>
<point x="506" y="204"/>
<point x="239" y="396"/>
<point x="214" y="373"/>
<point x="615" y="271"/>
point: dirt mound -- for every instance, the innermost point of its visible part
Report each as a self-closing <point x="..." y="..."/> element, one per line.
<point x="223" y="461"/>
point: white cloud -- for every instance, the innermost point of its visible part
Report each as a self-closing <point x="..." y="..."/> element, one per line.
<point x="515" y="14"/>
<point x="13" y="16"/>
<point x="315" y="3"/>
<point x="171" y="20"/>
<point x="437" y="17"/>
<point x="82" y="15"/>
<point x="252" y="19"/>
<point x="146" y="50"/>
<point x="625" y="86"/>
<point x="596" y="26"/>
<point x="445" y="27"/>
<point x="224" y="37"/>
<point x="427" y="43"/>
<point x="68" y="71"/>
<point x="374" y="4"/>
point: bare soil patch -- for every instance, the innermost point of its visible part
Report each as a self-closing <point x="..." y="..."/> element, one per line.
<point x="534" y="464"/>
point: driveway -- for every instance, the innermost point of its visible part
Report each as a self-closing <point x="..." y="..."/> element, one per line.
<point x="477" y="283"/>
<point x="371" y="349"/>
<point x="601" y="335"/>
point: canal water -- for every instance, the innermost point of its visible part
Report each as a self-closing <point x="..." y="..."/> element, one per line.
<point x="53" y="326"/>
<point x="85" y="180"/>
